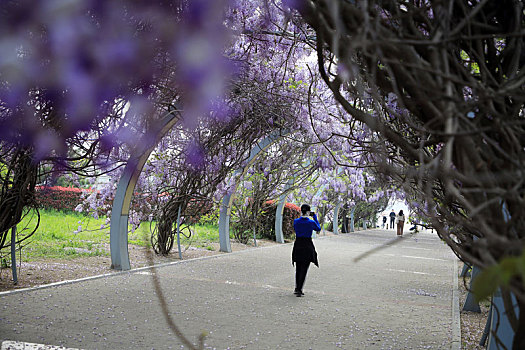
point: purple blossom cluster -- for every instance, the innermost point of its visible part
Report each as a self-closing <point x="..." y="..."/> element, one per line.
<point x="66" y="65"/>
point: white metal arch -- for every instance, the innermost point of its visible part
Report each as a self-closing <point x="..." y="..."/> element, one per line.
<point x="227" y="201"/>
<point x="121" y="203"/>
<point x="279" y="235"/>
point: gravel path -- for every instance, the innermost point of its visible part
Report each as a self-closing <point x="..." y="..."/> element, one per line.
<point x="397" y="298"/>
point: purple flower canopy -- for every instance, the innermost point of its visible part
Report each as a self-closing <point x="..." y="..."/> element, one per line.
<point x="71" y="61"/>
<point x="90" y="72"/>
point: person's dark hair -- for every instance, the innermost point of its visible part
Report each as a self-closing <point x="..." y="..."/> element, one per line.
<point x="401" y="212"/>
<point x="305" y="208"/>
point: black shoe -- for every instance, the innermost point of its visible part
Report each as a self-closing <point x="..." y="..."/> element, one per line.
<point x="298" y="293"/>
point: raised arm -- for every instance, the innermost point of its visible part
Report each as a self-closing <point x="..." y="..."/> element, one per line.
<point x="316" y="226"/>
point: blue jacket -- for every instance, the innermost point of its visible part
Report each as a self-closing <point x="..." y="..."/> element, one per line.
<point x="304" y="226"/>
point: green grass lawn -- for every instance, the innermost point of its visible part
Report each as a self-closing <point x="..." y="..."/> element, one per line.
<point x="58" y="236"/>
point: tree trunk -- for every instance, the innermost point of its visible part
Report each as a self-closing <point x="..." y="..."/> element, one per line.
<point x="18" y="191"/>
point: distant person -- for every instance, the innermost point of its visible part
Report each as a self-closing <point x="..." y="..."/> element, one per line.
<point x="400" y="223"/>
<point x="414" y="226"/>
<point x="303" y="252"/>
<point x="392" y="219"/>
<point x="384" y="222"/>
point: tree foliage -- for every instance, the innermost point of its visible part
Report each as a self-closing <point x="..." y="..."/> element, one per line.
<point x="440" y="86"/>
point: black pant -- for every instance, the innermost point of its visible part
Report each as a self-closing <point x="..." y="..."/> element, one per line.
<point x="392" y="222"/>
<point x="301" y="268"/>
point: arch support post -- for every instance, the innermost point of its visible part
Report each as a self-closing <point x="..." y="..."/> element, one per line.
<point x="224" y="225"/>
<point x="501" y="332"/>
<point x="335" y="224"/>
<point x="119" y="244"/>
<point x="352" y="219"/>
<point x="119" y="217"/>
<point x="470" y="301"/>
<point x="178" y="233"/>
<point x="13" y="255"/>
<point x="126" y="185"/>
<point x="118" y="233"/>
<point x="279" y="235"/>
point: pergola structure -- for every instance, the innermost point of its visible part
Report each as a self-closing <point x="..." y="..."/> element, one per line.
<point x="131" y="173"/>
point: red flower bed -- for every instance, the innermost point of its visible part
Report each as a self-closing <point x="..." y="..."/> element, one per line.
<point x="293" y="207"/>
<point x="290" y="213"/>
<point x="60" y="198"/>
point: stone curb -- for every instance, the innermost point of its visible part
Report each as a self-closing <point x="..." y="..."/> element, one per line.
<point x="18" y="345"/>
<point x="118" y="273"/>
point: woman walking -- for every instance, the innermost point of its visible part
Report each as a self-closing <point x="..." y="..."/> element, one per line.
<point x="303" y="252"/>
<point x="400" y="223"/>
